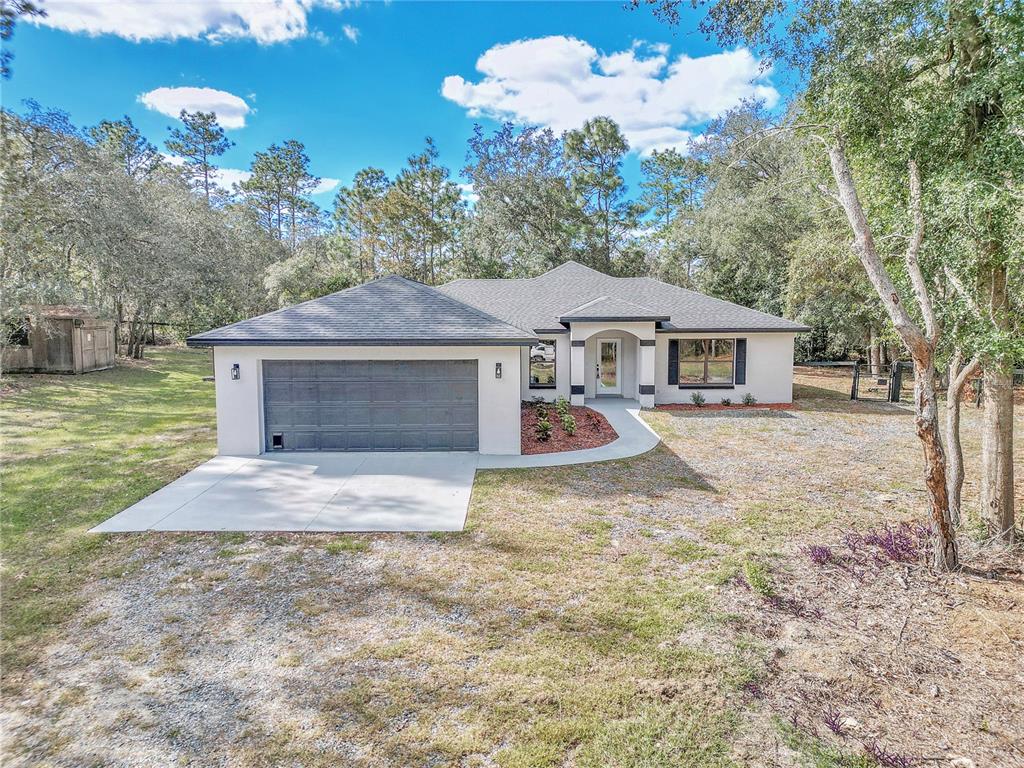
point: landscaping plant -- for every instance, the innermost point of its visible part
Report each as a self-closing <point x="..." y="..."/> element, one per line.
<point x="562" y="406"/>
<point x="726" y="401"/>
<point x="543" y="430"/>
<point x="749" y="399"/>
<point x="697" y="399"/>
<point x="569" y="424"/>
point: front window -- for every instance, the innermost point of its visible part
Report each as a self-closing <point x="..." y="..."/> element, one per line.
<point x="706" y="362"/>
<point x="542" y="365"/>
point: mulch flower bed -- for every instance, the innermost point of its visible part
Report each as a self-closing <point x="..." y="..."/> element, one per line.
<point x="720" y="407"/>
<point x="592" y="430"/>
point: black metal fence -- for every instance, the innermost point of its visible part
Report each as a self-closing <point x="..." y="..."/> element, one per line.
<point x="881" y="383"/>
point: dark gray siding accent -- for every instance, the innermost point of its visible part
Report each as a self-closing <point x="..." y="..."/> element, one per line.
<point x="578" y="343"/>
<point x="673" y="329"/>
<point x="741" y="361"/>
<point x="673" y="361"/>
<point x="577" y="389"/>
<point x="371" y="405"/>
<point x="646" y="389"/>
<point x="647" y="342"/>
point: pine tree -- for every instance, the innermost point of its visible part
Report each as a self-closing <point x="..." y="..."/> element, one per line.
<point x="201" y="140"/>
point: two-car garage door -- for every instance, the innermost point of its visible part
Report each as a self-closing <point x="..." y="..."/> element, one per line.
<point x="370" y="405"/>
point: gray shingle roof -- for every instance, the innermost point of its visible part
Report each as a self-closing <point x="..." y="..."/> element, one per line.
<point x="391" y="310"/>
<point x="538" y="303"/>
<point x="608" y="308"/>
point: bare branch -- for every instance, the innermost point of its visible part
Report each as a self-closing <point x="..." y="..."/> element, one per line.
<point x="972" y="367"/>
<point x="864" y="247"/>
<point x="913" y="252"/>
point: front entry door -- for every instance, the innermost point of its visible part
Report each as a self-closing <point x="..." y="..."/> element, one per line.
<point x="609" y="381"/>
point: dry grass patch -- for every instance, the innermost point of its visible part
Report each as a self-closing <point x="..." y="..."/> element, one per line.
<point x="651" y="612"/>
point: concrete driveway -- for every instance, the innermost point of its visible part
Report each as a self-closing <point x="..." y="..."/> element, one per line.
<point x="351" y="491"/>
<point x="311" y="492"/>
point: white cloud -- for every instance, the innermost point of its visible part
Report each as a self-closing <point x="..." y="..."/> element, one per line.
<point x="228" y="177"/>
<point x="560" y="82"/>
<point x="352" y="33"/>
<point x="230" y="109"/>
<point x="214" y="20"/>
<point x="468" y="193"/>
<point x="325" y="185"/>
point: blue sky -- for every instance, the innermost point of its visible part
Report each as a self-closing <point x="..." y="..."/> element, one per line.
<point x="364" y="84"/>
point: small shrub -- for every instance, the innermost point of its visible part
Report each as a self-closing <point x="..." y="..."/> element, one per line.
<point x="749" y="399"/>
<point x="888" y="759"/>
<point x="697" y="399"/>
<point x="820" y="554"/>
<point x="726" y="401"/>
<point x="562" y="406"/>
<point x="833" y="720"/>
<point x="542" y="411"/>
<point x="543" y="430"/>
<point x="568" y="424"/>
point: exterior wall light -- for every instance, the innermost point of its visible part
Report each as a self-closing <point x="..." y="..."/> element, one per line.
<point x="236" y="374"/>
<point x="497" y="370"/>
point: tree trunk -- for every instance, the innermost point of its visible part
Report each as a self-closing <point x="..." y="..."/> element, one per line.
<point x="956" y="380"/>
<point x="997" y="454"/>
<point x="926" y="424"/>
<point x="997" y="424"/>
<point x="875" y="351"/>
<point x="920" y="344"/>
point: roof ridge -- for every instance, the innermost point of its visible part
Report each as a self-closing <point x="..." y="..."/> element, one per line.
<point x="301" y="303"/>
<point x="486" y="315"/>
<point x="586" y="304"/>
<point x="718" y="300"/>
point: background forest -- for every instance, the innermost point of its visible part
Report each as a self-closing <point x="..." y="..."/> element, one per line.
<point x="100" y="216"/>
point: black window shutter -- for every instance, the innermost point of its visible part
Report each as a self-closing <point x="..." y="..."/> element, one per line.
<point x="673" y="361"/>
<point x="741" y="361"/>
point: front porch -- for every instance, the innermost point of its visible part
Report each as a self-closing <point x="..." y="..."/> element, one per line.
<point x="612" y="360"/>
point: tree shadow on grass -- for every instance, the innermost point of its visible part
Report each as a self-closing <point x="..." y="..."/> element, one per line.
<point x="657" y="471"/>
<point x="866" y="407"/>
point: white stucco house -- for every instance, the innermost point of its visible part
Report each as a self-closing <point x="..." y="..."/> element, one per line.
<point x="396" y="365"/>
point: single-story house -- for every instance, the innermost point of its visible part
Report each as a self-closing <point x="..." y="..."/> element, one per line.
<point x="396" y="365"/>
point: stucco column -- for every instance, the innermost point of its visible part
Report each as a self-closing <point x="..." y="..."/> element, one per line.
<point x="647" y="373"/>
<point x="576" y="372"/>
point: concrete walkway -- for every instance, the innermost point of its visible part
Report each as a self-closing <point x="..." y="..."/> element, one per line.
<point x="635" y="437"/>
<point x="350" y="491"/>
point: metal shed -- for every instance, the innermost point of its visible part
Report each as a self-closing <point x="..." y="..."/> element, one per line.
<point x="60" y="339"/>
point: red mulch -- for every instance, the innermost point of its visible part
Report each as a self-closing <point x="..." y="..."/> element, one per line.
<point x="720" y="407"/>
<point x="592" y="430"/>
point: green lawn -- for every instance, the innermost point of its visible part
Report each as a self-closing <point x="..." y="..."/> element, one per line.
<point x="76" y="450"/>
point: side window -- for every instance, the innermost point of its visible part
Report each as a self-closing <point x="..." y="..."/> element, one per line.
<point x="706" y="362"/>
<point x="542" y="365"/>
